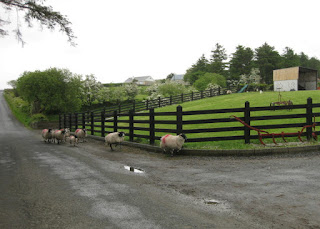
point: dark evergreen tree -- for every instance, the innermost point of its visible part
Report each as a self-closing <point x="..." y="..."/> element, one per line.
<point x="267" y="59"/>
<point x="241" y="62"/>
<point x="218" y="59"/>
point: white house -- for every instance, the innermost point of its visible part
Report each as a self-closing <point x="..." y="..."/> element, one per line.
<point x="294" y="79"/>
<point x="141" y="80"/>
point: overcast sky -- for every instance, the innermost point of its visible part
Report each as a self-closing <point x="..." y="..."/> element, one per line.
<point x="125" y="38"/>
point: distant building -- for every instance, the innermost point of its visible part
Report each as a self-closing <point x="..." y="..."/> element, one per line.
<point x="177" y="78"/>
<point x="294" y="79"/>
<point x="141" y="80"/>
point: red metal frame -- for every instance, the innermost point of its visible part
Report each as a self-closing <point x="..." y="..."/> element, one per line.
<point x="263" y="133"/>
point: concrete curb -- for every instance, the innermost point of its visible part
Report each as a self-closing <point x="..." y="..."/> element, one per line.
<point x="224" y="153"/>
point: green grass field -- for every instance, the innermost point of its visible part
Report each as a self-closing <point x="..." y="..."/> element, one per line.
<point x="236" y="100"/>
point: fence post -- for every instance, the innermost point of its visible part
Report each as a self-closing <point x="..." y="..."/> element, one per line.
<point x="119" y="108"/>
<point x="103" y="115"/>
<point x="83" y="120"/>
<point x="152" y="126"/>
<point x="60" y="122"/>
<point x="179" y="120"/>
<point x="192" y="96"/>
<point x="159" y="101"/>
<point x="201" y="94"/>
<point x="170" y="99"/>
<point x="76" y="121"/>
<point x="147" y="105"/>
<point x="92" y="123"/>
<point x="134" y="105"/>
<point x="211" y="92"/>
<point x="131" y="127"/>
<point x="70" y="121"/>
<point x="309" y="118"/>
<point x="115" y="121"/>
<point x="219" y="90"/>
<point x="247" y="120"/>
<point x="64" y="121"/>
<point x="181" y="97"/>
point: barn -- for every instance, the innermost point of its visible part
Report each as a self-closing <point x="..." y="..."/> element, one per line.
<point x="294" y="79"/>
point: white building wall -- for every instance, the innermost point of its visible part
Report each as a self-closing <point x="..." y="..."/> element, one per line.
<point x="285" y="85"/>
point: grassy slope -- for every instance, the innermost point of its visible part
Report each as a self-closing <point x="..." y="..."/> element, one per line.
<point x="236" y="101"/>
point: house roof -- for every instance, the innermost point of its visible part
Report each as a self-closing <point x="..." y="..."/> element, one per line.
<point x="139" y="79"/>
<point x="177" y="77"/>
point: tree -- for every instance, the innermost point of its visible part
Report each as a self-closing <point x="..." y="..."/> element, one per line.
<point x="170" y="76"/>
<point x="90" y="88"/>
<point x="241" y="62"/>
<point x="210" y="78"/>
<point x="217" y="61"/>
<point x="304" y="59"/>
<point x="50" y="91"/>
<point x="267" y="59"/>
<point x="290" y="58"/>
<point x="198" y="69"/>
<point x="131" y="90"/>
<point x="35" y="10"/>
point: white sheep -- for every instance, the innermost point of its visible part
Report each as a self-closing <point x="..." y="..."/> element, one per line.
<point x="59" y="135"/>
<point x="81" y="134"/>
<point x="47" y="135"/>
<point x="73" y="140"/>
<point x="114" y="138"/>
<point x="67" y="133"/>
<point x="171" y="143"/>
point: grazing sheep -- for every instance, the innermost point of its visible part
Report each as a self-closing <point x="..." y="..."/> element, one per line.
<point x="81" y="134"/>
<point x="47" y="135"/>
<point x="114" y="138"/>
<point x="171" y="143"/>
<point x="73" y="140"/>
<point x="229" y="92"/>
<point x="59" y="135"/>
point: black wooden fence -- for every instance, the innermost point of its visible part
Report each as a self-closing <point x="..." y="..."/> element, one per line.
<point x="216" y="126"/>
<point x="162" y="102"/>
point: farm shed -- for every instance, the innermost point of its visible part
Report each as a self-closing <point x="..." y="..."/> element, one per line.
<point x="294" y="79"/>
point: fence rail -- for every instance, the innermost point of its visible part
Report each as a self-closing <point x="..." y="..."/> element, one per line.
<point x="217" y="126"/>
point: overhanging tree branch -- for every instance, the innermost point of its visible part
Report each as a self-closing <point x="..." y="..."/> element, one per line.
<point x="35" y="10"/>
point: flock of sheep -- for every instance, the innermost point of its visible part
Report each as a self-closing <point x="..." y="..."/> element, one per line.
<point x="167" y="142"/>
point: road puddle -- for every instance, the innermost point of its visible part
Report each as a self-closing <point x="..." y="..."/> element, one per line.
<point x="212" y="201"/>
<point x="133" y="169"/>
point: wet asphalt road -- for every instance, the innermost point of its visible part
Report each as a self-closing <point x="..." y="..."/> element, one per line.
<point x="60" y="186"/>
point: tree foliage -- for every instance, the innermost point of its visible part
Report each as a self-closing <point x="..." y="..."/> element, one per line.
<point x="89" y="90"/>
<point x="218" y="59"/>
<point x="210" y="78"/>
<point x="50" y="91"/>
<point x="35" y="10"/>
<point x="241" y="62"/>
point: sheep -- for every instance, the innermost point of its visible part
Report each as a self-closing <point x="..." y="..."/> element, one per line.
<point x="67" y="134"/>
<point x="73" y="140"/>
<point x="171" y="143"/>
<point x="229" y="92"/>
<point x="59" y="135"/>
<point x="47" y="135"/>
<point x="114" y="138"/>
<point x="81" y="133"/>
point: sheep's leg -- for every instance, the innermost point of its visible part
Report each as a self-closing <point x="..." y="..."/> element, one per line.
<point x="111" y="147"/>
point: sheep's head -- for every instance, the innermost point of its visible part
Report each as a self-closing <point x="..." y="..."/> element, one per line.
<point x="121" y="134"/>
<point x="183" y="136"/>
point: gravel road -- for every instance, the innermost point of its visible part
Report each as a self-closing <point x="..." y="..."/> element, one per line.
<point x="88" y="186"/>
